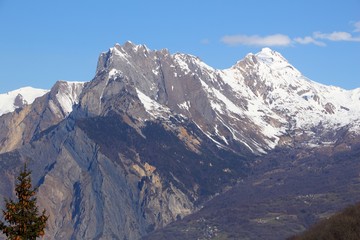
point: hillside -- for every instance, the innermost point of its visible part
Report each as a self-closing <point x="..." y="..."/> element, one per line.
<point x="341" y="226"/>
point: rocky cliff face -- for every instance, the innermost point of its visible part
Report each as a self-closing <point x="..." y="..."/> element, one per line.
<point x="155" y="135"/>
<point x="20" y="127"/>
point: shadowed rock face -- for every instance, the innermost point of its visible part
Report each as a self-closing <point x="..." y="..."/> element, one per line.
<point x="93" y="169"/>
<point x="19" y="101"/>
<point x="288" y="191"/>
<point x="154" y="137"/>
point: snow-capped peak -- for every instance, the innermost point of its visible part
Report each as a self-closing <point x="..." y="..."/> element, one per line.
<point x="274" y="63"/>
<point x="14" y="99"/>
<point x="262" y="91"/>
<point x="129" y="47"/>
<point x="270" y="56"/>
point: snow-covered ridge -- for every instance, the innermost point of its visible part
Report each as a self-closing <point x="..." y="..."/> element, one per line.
<point x="262" y="93"/>
<point x="14" y="99"/>
<point x="275" y="87"/>
<point x="64" y="95"/>
<point x="262" y="90"/>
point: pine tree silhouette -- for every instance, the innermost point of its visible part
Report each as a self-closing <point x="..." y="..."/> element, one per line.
<point x="22" y="217"/>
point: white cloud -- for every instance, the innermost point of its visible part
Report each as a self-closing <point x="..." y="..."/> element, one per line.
<point x="317" y="38"/>
<point x="309" y="40"/>
<point x="357" y="26"/>
<point x="336" y="36"/>
<point x="255" y="40"/>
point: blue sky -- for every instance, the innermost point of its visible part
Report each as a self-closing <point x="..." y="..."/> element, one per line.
<point x="44" y="41"/>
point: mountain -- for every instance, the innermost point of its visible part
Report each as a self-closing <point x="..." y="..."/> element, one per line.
<point x="20" y="127"/>
<point x="159" y="142"/>
<point x="262" y="93"/>
<point x="19" y="98"/>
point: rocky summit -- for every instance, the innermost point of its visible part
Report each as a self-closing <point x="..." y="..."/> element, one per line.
<point x="163" y="146"/>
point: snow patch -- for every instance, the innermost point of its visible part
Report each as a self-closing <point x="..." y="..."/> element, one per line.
<point x="185" y="105"/>
<point x="219" y="135"/>
<point x="28" y="94"/>
<point x="219" y="101"/>
<point x="113" y="72"/>
<point x="155" y="109"/>
<point x="180" y="59"/>
<point x="155" y="71"/>
<point x="68" y="95"/>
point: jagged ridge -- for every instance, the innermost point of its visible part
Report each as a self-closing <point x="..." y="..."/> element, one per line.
<point x="263" y="93"/>
<point x="155" y="135"/>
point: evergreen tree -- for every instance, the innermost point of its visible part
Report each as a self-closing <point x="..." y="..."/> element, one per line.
<point x="22" y="217"/>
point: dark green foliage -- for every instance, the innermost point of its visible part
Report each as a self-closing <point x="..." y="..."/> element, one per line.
<point x="342" y="226"/>
<point x="22" y="217"/>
